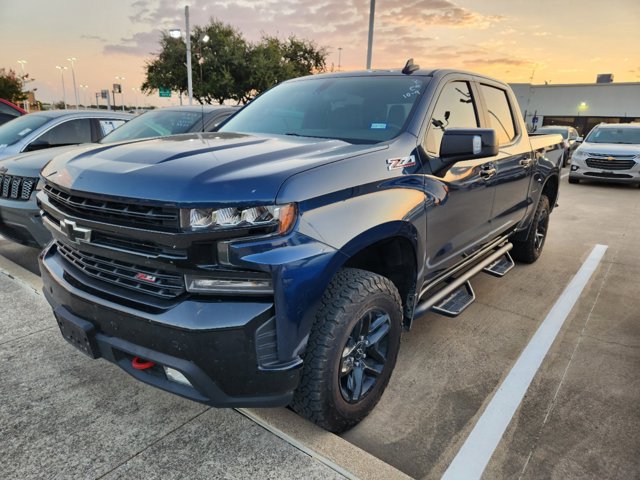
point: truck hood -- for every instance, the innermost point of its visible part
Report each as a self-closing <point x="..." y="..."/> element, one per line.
<point x="610" y="148"/>
<point x="199" y="169"/>
<point x="29" y="164"/>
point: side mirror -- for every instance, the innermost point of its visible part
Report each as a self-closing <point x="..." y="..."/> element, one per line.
<point x="579" y="139"/>
<point x="468" y="143"/>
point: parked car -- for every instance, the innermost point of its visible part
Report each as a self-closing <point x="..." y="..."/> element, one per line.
<point x="19" y="214"/>
<point x="610" y="153"/>
<point x="569" y="136"/>
<point x="9" y="111"/>
<point x="55" y="128"/>
<point x="277" y="260"/>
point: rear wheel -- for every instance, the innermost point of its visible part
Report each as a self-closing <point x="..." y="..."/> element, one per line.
<point x="529" y="249"/>
<point x="352" y="350"/>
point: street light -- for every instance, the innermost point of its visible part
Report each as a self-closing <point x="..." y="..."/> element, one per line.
<point x="121" y="90"/>
<point x="339" y="57"/>
<point x="73" y="76"/>
<point x="84" y="96"/>
<point x="64" y="94"/>
<point x="176" y="33"/>
<point x="25" y="103"/>
<point x="136" y="90"/>
<point x="372" y="13"/>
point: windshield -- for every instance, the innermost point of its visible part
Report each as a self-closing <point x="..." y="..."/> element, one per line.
<point x="614" y="135"/>
<point x="157" y="123"/>
<point x="15" y="130"/>
<point x="557" y="131"/>
<point x="355" y="109"/>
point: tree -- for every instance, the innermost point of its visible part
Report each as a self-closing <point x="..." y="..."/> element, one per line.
<point x="227" y="67"/>
<point x="11" y="86"/>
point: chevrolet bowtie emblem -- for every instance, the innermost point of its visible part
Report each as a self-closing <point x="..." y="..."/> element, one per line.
<point x="73" y="232"/>
<point x="610" y="158"/>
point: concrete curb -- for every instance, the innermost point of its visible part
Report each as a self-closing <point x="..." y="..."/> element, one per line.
<point x="21" y="275"/>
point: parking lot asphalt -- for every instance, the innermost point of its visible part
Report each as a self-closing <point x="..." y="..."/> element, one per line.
<point x="62" y="415"/>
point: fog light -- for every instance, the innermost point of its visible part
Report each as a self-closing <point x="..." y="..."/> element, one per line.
<point x="176" y="376"/>
<point x="238" y="285"/>
<point x="574" y="168"/>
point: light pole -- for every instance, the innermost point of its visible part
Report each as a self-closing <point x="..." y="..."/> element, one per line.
<point x="339" y="57"/>
<point x="136" y="90"/>
<point x="84" y="96"/>
<point x="372" y="13"/>
<point x="121" y="90"/>
<point x="73" y="77"/>
<point x="175" y="33"/>
<point x="64" y="94"/>
<point x="25" y="103"/>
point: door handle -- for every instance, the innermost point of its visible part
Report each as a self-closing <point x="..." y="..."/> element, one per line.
<point x="526" y="162"/>
<point x="487" y="172"/>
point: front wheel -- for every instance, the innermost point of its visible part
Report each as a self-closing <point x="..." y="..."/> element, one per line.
<point x="352" y="350"/>
<point x="529" y="249"/>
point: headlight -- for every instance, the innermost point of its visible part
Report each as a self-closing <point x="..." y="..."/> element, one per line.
<point x="280" y="217"/>
<point x="579" y="155"/>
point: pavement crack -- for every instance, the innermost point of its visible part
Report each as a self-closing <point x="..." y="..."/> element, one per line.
<point x="554" y="399"/>
<point x="611" y="342"/>
<point x="159" y="439"/>
<point x="506" y="310"/>
<point x="27" y="335"/>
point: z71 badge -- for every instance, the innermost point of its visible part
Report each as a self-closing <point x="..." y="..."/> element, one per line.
<point x="404" y="162"/>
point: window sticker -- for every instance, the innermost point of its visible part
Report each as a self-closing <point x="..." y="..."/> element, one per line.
<point x="378" y="126"/>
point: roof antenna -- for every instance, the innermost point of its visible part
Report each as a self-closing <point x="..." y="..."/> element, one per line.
<point x="410" y="67"/>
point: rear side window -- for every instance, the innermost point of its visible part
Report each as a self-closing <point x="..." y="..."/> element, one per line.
<point x="67" y="133"/>
<point x="455" y="108"/>
<point x="499" y="114"/>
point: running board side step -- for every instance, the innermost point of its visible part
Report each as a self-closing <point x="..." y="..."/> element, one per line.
<point x="426" y="305"/>
<point x="501" y="266"/>
<point x="457" y="301"/>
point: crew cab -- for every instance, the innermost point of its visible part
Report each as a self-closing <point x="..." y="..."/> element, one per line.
<point x="277" y="260"/>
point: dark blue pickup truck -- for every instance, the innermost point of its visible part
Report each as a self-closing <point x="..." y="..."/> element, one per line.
<point x="277" y="260"/>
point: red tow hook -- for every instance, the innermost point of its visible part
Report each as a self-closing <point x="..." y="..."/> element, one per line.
<point x="141" y="364"/>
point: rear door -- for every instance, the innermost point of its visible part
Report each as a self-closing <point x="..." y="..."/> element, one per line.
<point x="459" y="222"/>
<point x="514" y="163"/>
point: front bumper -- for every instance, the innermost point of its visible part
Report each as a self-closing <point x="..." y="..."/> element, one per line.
<point x="20" y="221"/>
<point x="580" y="170"/>
<point x="214" y="344"/>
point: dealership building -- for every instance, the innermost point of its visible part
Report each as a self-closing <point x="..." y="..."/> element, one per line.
<point x="581" y="105"/>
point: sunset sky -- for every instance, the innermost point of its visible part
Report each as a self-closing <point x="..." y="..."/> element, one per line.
<point x="555" y="41"/>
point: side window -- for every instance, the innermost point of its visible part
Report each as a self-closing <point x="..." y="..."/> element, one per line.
<point x="67" y="133"/>
<point x="455" y="108"/>
<point x="499" y="114"/>
<point x="107" y="126"/>
<point x="7" y="110"/>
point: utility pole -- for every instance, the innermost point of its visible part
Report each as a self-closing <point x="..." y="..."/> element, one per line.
<point x="188" y="41"/>
<point x="372" y="13"/>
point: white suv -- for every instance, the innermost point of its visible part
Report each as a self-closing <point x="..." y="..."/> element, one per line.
<point x="610" y="153"/>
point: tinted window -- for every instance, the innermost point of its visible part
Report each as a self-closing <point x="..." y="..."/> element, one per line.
<point x="68" y="133"/>
<point x="17" y="129"/>
<point x="157" y="123"/>
<point x="455" y="108"/>
<point x="355" y="109"/>
<point x="6" y="109"/>
<point x="499" y="113"/>
<point x="556" y="131"/>
<point x="614" y="135"/>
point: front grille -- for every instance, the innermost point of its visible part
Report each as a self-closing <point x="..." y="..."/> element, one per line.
<point x="17" y="188"/>
<point x="615" y="164"/>
<point x="606" y="155"/>
<point x="126" y="214"/>
<point x="158" y="283"/>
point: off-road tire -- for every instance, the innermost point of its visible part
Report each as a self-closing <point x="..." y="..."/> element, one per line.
<point x="529" y="249"/>
<point x="350" y="295"/>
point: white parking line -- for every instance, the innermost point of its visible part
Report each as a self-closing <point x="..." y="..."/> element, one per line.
<point x="564" y="175"/>
<point x="477" y="450"/>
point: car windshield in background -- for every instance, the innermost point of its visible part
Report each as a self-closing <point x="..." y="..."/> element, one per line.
<point x="614" y="135"/>
<point x="15" y="130"/>
<point x="156" y="123"/>
<point x="354" y="109"/>
<point x="557" y="131"/>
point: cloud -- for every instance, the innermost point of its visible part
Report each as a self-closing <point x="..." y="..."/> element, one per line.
<point x="94" y="37"/>
<point x="139" y="44"/>
<point x="497" y="61"/>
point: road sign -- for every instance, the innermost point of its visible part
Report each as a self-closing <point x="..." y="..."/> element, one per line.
<point x="534" y="120"/>
<point x="117" y="88"/>
<point x="164" y="92"/>
<point x="104" y="93"/>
